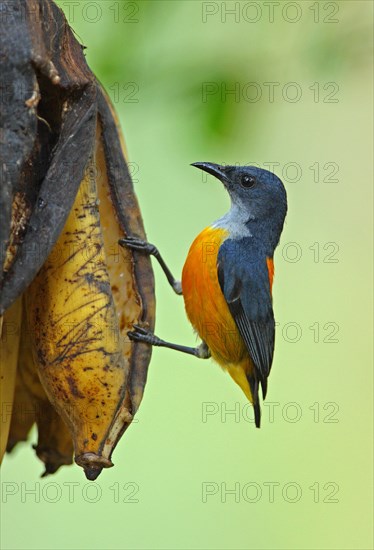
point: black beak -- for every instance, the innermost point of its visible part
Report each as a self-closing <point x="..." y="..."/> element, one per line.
<point x="213" y="169"/>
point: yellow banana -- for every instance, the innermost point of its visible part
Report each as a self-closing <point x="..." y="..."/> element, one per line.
<point x="118" y="260"/>
<point x="55" y="445"/>
<point x="77" y="346"/>
<point x="121" y="209"/>
<point x="23" y="414"/>
<point x="9" y="344"/>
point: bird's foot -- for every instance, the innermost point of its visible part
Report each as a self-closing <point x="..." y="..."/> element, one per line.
<point x="138" y="244"/>
<point x="141" y="334"/>
<point x="202" y="351"/>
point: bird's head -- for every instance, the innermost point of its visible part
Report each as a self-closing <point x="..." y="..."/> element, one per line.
<point x="255" y="191"/>
<point x="258" y="198"/>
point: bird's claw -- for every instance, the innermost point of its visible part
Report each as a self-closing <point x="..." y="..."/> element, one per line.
<point x="141" y="334"/>
<point x="138" y="244"/>
<point x="140" y="329"/>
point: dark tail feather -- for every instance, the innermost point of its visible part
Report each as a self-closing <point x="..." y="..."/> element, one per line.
<point x="253" y="384"/>
<point x="264" y="387"/>
<point x="257" y="410"/>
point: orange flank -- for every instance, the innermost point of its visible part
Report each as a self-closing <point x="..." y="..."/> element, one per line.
<point x="208" y="311"/>
<point x="270" y="265"/>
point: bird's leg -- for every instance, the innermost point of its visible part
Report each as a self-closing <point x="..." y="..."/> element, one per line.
<point x="148" y="248"/>
<point x="142" y="335"/>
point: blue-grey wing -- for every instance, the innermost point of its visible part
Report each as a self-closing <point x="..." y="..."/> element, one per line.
<point x="244" y="280"/>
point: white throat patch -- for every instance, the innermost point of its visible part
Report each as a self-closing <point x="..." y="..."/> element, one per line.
<point x="234" y="221"/>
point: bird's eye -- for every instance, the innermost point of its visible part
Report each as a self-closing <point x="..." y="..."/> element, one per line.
<point x="248" y="181"/>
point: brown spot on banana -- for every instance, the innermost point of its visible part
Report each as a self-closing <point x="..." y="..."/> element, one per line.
<point x="20" y="215"/>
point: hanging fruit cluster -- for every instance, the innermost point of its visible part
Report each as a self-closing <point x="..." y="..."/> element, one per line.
<point x="68" y="292"/>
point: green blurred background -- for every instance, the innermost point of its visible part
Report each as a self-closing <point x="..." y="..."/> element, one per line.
<point x="187" y="473"/>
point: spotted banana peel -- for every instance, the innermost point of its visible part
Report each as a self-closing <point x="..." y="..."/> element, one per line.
<point x="68" y="292"/>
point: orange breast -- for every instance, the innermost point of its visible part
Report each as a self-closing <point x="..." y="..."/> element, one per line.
<point x="205" y="304"/>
